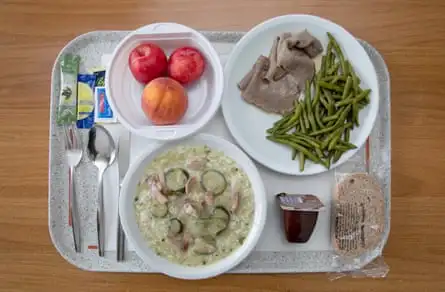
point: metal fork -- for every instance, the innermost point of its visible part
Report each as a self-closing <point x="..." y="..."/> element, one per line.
<point x="73" y="155"/>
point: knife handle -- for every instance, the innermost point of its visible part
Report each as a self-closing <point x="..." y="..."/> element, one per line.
<point x="120" y="240"/>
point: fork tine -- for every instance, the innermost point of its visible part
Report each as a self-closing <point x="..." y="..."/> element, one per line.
<point x="77" y="138"/>
<point x="66" y="137"/>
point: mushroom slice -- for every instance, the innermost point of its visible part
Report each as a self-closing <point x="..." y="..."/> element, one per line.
<point x="190" y="210"/>
<point x="204" y="246"/>
<point x="189" y="184"/>
<point x="157" y="194"/>
<point x="197" y="163"/>
<point x="209" y="199"/>
<point x="235" y="197"/>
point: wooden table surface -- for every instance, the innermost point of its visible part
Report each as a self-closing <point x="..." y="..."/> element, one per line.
<point x="409" y="33"/>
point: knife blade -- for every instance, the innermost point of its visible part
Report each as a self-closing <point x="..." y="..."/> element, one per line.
<point x="123" y="164"/>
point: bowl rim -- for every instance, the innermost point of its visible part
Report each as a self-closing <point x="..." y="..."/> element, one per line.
<point x="230" y="65"/>
<point x="162" y="133"/>
<point x="225" y="264"/>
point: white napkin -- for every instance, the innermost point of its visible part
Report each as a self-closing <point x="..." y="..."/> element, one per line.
<point x="111" y="183"/>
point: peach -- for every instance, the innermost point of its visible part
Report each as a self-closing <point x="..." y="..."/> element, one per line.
<point x="164" y="101"/>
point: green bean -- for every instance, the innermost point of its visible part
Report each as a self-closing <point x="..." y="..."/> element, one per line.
<point x="317" y="116"/>
<point x="292" y="122"/>
<point x="324" y="103"/>
<point x="330" y="57"/>
<point x="325" y="130"/>
<point x="307" y="137"/>
<point x="337" y="155"/>
<point x="347" y="144"/>
<point x="301" y="161"/>
<point x="299" y="139"/>
<point x="341" y="148"/>
<point x="333" y="69"/>
<point x="343" y="115"/>
<point x="305" y="119"/>
<point x="347" y="87"/>
<point x="355" y="81"/>
<point x="330" y="86"/>
<point x="355" y="114"/>
<point x="307" y="96"/>
<point x="312" y="122"/>
<point x="335" y="79"/>
<point x="336" y="129"/>
<point x="347" y="134"/>
<point x="362" y="95"/>
<point x="346" y="101"/>
<point x="294" y="153"/>
<point x="319" y="153"/>
<point x="338" y="51"/>
<point x="297" y="146"/>
<point x="347" y="68"/>
<point x="279" y="123"/>
<point x="328" y="162"/>
<point x="330" y="118"/>
<point x="298" y="127"/>
<point x="328" y="95"/>
<point x="317" y="95"/>
<point x="303" y="126"/>
<point x="334" y="141"/>
<point x="322" y="71"/>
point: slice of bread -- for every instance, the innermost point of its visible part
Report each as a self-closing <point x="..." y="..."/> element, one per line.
<point x="359" y="218"/>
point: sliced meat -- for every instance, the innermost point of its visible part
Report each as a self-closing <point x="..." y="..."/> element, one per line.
<point x="275" y="96"/>
<point x="274" y="83"/>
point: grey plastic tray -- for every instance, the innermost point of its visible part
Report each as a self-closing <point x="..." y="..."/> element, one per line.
<point x="91" y="46"/>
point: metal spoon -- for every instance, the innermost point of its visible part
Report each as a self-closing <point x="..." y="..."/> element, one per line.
<point x="102" y="151"/>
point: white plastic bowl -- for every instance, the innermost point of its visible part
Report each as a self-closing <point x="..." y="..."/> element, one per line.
<point x="124" y="92"/>
<point x="134" y="236"/>
<point x="248" y="124"/>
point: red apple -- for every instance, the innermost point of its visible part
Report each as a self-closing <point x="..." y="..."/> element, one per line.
<point x="186" y="65"/>
<point x="147" y="62"/>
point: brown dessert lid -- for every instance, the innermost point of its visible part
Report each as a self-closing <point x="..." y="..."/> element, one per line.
<point x="299" y="202"/>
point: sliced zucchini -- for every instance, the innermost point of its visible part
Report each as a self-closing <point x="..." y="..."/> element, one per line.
<point x="175" y="180"/>
<point x="213" y="181"/>
<point x="221" y="213"/>
<point x="198" y="227"/>
<point x="217" y="225"/>
<point x="175" y="227"/>
<point x="204" y="246"/>
<point x="158" y="210"/>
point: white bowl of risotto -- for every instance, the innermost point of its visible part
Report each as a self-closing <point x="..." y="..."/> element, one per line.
<point x="194" y="208"/>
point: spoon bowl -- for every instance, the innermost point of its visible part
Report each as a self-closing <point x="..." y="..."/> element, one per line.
<point x="102" y="152"/>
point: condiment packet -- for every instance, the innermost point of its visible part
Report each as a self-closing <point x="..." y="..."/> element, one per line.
<point x="103" y="112"/>
<point x="67" y="108"/>
<point x="299" y="202"/>
<point x="85" y="100"/>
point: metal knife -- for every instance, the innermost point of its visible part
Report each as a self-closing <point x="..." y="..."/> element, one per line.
<point x="123" y="164"/>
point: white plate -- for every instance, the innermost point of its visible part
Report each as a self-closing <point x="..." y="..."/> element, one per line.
<point x="248" y="124"/>
<point x="128" y="216"/>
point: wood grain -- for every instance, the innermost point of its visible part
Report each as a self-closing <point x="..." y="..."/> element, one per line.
<point x="409" y="33"/>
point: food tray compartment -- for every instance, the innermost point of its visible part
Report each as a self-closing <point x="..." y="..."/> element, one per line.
<point x="270" y="255"/>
